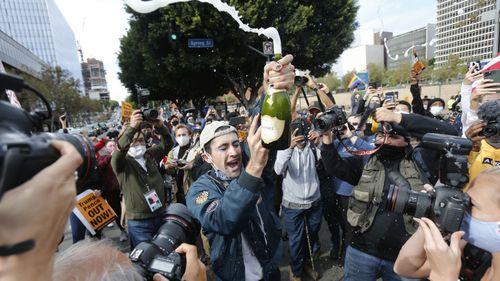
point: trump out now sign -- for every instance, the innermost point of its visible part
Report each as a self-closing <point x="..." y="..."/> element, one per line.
<point x="93" y="211"/>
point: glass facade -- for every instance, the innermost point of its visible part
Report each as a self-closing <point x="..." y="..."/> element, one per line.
<point x="19" y="57"/>
<point x="39" y="26"/>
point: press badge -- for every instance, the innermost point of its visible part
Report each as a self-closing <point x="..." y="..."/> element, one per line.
<point x="153" y="200"/>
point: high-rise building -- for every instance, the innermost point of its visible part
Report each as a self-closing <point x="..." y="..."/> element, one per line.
<point x="94" y="79"/>
<point x="40" y="27"/>
<point x="400" y="46"/>
<point x="465" y="28"/>
<point x="19" y="57"/>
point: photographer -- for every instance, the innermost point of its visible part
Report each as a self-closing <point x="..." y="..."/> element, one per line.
<point x="23" y="217"/>
<point x="138" y="173"/>
<point x="485" y="136"/>
<point x="232" y="204"/>
<point x="177" y="164"/>
<point x="301" y="202"/>
<point x="378" y="234"/>
<point x="100" y="260"/>
<point x="427" y="255"/>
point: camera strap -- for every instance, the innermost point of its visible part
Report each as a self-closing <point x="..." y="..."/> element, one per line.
<point x="363" y="152"/>
<point x="18" y="248"/>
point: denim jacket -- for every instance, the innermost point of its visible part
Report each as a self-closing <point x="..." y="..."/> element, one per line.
<point x="225" y="211"/>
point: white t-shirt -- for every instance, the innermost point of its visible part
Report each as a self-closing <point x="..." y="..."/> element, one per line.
<point x="253" y="269"/>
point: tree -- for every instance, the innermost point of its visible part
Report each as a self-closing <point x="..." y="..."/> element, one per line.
<point x="331" y="80"/>
<point x="453" y="69"/>
<point x="376" y="73"/>
<point x="61" y="91"/>
<point x="315" y="32"/>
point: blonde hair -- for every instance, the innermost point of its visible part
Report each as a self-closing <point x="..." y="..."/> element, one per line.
<point x="182" y="126"/>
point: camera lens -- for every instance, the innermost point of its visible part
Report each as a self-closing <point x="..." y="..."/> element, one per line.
<point x="404" y="201"/>
<point x="179" y="227"/>
<point x="151" y="114"/>
<point x="83" y="146"/>
<point x="325" y="122"/>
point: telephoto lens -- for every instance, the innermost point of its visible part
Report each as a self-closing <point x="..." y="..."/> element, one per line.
<point x="159" y="256"/>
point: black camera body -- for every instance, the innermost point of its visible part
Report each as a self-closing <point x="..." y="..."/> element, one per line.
<point x="490" y="113"/>
<point x="300" y="80"/>
<point x="23" y="154"/>
<point x="446" y="206"/>
<point x="333" y="118"/>
<point x="148" y="114"/>
<point x="301" y="125"/>
<point x="159" y="256"/>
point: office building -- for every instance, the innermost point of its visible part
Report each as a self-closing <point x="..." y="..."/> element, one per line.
<point x="39" y="26"/>
<point x="400" y="46"/>
<point x="467" y="29"/>
<point x="94" y="79"/>
<point x="19" y="57"/>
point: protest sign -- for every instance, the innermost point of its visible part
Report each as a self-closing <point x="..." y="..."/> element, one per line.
<point x="93" y="211"/>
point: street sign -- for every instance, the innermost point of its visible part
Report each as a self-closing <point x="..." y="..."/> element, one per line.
<point x="268" y="47"/>
<point x="201" y="43"/>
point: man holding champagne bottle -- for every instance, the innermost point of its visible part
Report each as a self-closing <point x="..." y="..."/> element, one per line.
<point x="230" y="200"/>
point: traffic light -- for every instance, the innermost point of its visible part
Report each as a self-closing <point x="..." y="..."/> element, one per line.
<point x="172" y="33"/>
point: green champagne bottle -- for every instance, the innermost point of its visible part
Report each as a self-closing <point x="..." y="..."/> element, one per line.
<point x="275" y="119"/>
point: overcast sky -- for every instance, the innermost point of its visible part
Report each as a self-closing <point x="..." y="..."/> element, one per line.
<point x="98" y="25"/>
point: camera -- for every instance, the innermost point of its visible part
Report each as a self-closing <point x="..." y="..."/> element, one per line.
<point x="490" y="113"/>
<point x="181" y="162"/>
<point x="159" y="256"/>
<point x="149" y="114"/>
<point x="300" y="80"/>
<point x="447" y="204"/>
<point x="332" y="118"/>
<point x="23" y="154"/>
<point x="300" y="77"/>
<point x="302" y="125"/>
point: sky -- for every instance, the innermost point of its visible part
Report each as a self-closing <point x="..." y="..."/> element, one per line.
<point x="99" y="24"/>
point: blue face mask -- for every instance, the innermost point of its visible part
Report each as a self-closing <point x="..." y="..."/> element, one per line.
<point x="485" y="235"/>
<point x="218" y="172"/>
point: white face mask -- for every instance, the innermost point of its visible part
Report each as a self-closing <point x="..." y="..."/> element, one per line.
<point x="137" y="151"/>
<point x="435" y="110"/>
<point x="218" y="172"/>
<point x="182" y="140"/>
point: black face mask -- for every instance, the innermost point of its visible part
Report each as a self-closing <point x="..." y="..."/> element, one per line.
<point x="175" y="123"/>
<point x="389" y="152"/>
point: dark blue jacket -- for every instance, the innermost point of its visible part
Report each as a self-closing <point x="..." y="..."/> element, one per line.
<point x="225" y="210"/>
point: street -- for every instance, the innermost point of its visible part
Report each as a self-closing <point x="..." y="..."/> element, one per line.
<point x="325" y="267"/>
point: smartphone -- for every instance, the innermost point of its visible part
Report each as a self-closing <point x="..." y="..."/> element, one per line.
<point x="476" y="66"/>
<point x="235" y="121"/>
<point x="390" y="96"/>
<point x="181" y="163"/>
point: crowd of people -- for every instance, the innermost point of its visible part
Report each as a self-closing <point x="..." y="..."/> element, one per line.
<point x="249" y="200"/>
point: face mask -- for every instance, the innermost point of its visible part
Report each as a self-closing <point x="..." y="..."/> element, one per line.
<point x="390" y="152"/>
<point x="373" y="105"/>
<point x="137" y="151"/>
<point x="182" y="140"/>
<point x="218" y="172"/>
<point x="482" y="234"/>
<point x="147" y="136"/>
<point x="435" y="110"/>
<point x="175" y="123"/>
